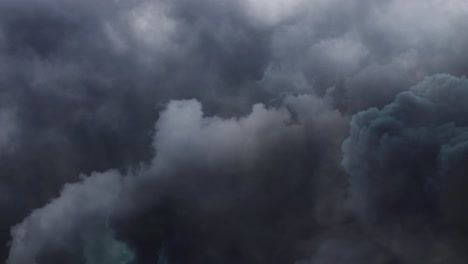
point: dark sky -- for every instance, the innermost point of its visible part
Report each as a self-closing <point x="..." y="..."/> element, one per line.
<point x="233" y="131"/>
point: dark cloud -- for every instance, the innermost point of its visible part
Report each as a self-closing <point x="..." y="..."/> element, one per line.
<point x="82" y="84"/>
<point x="365" y="52"/>
<point x="351" y="251"/>
<point x="406" y="161"/>
<point x="80" y="212"/>
<point x="218" y="190"/>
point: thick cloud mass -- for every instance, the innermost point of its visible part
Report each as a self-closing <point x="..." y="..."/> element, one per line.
<point x="350" y="251"/>
<point x="80" y="213"/>
<point x="254" y="177"/>
<point x="407" y="161"/>
<point x="239" y="190"/>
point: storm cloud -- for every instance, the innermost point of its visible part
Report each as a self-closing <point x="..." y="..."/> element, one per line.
<point x="238" y="190"/>
<point x="406" y="161"/>
<point x="211" y="131"/>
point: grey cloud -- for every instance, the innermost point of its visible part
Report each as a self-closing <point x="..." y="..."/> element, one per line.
<point x="8" y="132"/>
<point x="82" y="84"/>
<point x="227" y="179"/>
<point x="405" y="164"/>
<point x="346" y="47"/>
<point x="210" y="193"/>
<point x="84" y="79"/>
<point x="351" y="251"/>
<point x="67" y="222"/>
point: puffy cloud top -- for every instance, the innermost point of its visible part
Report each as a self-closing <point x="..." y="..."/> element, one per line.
<point x="83" y="83"/>
<point x="407" y="161"/>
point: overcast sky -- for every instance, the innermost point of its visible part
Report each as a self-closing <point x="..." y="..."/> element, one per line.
<point x="233" y="131"/>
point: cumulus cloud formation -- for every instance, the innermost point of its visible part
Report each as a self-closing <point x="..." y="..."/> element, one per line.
<point x="80" y="212"/>
<point x="223" y="178"/>
<point x="406" y="161"/>
<point x="377" y="48"/>
<point x="211" y="131"/>
<point x="404" y="154"/>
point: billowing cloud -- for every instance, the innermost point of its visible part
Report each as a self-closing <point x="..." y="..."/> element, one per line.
<point x="83" y="83"/>
<point x="352" y="48"/>
<point x="217" y="178"/>
<point x="406" y="161"/>
<point x="62" y="226"/>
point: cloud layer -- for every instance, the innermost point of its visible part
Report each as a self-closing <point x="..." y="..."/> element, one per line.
<point x="406" y="161"/>
<point x="215" y="128"/>
<point x="223" y="190"/>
